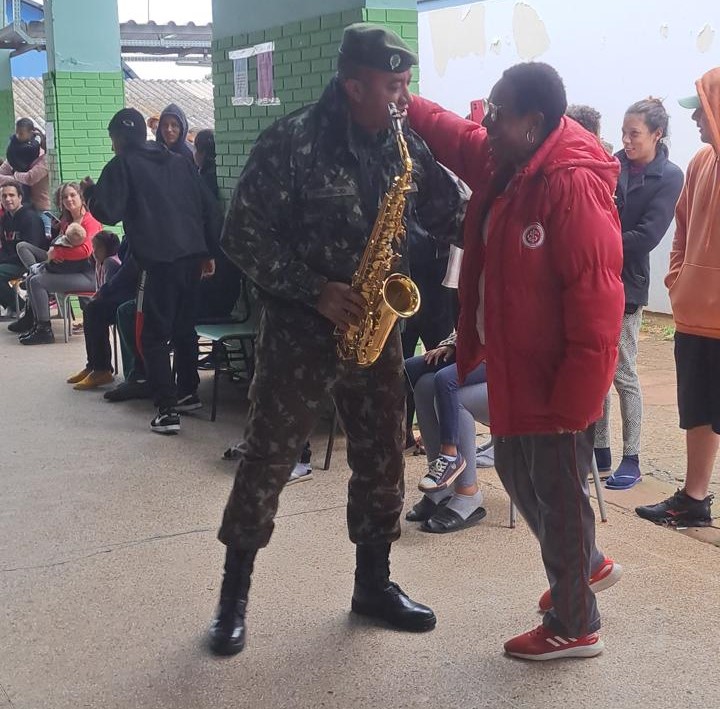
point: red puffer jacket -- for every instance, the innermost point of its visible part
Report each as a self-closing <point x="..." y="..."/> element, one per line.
<point x="553" y="294"/>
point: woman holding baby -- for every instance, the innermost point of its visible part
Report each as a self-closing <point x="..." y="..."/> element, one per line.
<point x="65" y="267"/>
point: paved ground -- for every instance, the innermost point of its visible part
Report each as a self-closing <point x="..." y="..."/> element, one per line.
<point x="109" y="572"/>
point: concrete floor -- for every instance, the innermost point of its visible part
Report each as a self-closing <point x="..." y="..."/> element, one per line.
<point x="109" y="573"/>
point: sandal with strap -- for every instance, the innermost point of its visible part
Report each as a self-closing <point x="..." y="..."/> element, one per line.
<point x="447" y="520"/>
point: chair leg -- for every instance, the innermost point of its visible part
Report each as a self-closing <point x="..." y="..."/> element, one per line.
<point x="513" y="515"/>
<point x="216" y="351"/>
<point x="66" y="316"/>
<point x="331" y="439"/>
<point x="599" y="491"/>
<point x="17" y="300"/>
<point x="115" y="346"/>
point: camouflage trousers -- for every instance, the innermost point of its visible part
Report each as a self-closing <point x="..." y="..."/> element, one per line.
<point x="295" y="373"/>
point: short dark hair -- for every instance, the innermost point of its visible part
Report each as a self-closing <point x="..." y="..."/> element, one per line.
<point x="205" y="142"/>
<point x="655" y="116"/>
<point x="13" y="183"/>
<point x="587" y="116"/>
<point x="109" y="240"/>
<point x="538" y="87"/>
<point x="25" y="123"/>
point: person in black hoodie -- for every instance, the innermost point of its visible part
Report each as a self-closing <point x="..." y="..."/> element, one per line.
<point x="19" y="223"/>
<point x="172" y="132"/>
<point x="646" y="195"/>
<point x="172" y="225"/>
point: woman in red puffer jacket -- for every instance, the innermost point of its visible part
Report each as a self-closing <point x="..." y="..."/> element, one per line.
<point x="541" y="301"/>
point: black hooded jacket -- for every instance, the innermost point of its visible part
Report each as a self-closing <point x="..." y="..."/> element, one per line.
<point x="181" y="147"/>
<point x="167" y="211"/>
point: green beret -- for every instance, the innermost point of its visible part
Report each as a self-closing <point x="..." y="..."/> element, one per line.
<point x="376" y="47"/>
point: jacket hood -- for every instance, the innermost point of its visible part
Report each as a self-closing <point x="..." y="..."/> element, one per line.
<point x="176" y="112"/>
<point x="708" y="90"/>
<point x="570" y="145"/>
<point x="151" y="150"/>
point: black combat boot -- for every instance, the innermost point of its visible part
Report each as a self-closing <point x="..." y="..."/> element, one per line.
<point x="41" y="334"/>
<point x="378" y="597"/>
<point x="227" y="632"/>
<point x="25" y="322"/>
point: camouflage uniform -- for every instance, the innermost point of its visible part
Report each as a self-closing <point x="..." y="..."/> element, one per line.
<point x="301" y="215"/>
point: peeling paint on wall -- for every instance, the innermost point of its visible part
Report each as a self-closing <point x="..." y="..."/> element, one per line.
<point x="456" y="33"/>
<point x="531" y="36"/>
<point x="705" y="39"/>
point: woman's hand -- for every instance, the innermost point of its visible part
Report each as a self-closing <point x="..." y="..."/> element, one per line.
<point x="439" y="354"/>
<point x="51" y="253"/>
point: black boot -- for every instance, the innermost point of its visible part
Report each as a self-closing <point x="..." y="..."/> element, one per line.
<point x="227" y="632"/>
<point x="25" y="322"/>
<point x="41" y="334"/>
<point x="378" y="597"/>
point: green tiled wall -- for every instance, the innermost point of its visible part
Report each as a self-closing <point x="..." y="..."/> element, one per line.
<point x="303" y="62"/>
<point x="80" y="105"/>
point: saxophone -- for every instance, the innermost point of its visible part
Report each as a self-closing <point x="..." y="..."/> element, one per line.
<point x="388" y="296"/>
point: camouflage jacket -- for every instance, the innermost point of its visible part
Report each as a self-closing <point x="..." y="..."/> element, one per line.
<point x="306" y="202"/>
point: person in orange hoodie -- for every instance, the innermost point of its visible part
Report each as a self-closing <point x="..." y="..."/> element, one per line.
<point x="694" y="286"/>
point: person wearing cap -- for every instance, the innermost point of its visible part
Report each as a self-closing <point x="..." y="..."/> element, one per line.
<point x="299" y="222"/>
<point x="172" y="224"/>
<point x="694" y="282"/>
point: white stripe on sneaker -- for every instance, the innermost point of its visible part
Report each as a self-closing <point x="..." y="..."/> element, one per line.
<point x="561" y="640"/>
<point x="552" y="642"/>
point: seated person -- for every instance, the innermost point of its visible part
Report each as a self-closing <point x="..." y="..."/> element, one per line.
<point x="20" y="225"/>
<point x="446" y="414"/>
<point x="67" y="269"/>
<point x="99" y="314"/>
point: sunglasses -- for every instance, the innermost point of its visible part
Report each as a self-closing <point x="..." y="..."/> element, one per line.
<point x="490" y="110"/>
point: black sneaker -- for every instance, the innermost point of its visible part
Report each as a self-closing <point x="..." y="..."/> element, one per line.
<point x="167" y="421"/>
<point x="441" y="473"/>
<point x="191" y="402"/>
<point x="679" y="511"/>
<point x="128" y="390"/>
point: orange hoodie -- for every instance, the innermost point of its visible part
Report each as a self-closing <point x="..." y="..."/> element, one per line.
<point x="694" y="277"/>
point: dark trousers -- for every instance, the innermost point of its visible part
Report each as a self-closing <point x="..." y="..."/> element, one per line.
<point x="433" y="323"/>
<point x="166" y="310"/>
<point x="98" y="315"/>
<point x="546" y="475"/>
<point x="8" y="272"/>
<point x="133" y="365"/>
<point x="295" y="369"/>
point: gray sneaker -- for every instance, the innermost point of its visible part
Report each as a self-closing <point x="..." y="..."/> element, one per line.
<point x="301" y="471"/>
<point x="441" y="473"/>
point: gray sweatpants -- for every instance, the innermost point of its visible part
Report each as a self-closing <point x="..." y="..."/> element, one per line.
<point x="473" y="402"/>
<point x="627" y="385"/>
<point x="43" y="283"/>
<point x="30" y="254"/>
<point x="546" y="475"/>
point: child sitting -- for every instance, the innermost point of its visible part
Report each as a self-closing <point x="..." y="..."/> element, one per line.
<point x="105" y="245"/>
<point x="70" y="252"/>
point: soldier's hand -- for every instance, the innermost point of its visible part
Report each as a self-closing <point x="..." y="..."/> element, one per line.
<point x="341" y="305"/>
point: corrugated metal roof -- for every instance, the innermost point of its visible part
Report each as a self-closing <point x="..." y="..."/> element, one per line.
<point x="149" y="96"/>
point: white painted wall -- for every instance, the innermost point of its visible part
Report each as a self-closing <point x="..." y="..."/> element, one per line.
<point x="610" y="54"/>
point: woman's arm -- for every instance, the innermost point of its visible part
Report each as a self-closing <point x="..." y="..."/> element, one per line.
<point x="459" y="144"/>
<point x="654" y="223"/>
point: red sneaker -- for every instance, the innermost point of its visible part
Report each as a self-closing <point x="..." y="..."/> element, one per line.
<point x="543" y="644"/>
<point x="607" y="575"/>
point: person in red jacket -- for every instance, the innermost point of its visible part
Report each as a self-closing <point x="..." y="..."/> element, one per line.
<point x="541" y="301"/>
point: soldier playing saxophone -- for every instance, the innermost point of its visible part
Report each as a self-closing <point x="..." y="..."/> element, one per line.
<point x="298" y="226"/>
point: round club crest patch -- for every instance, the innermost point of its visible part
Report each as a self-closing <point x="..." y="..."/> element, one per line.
<point x="395" y="60"/>
<point x="533" y="236"/>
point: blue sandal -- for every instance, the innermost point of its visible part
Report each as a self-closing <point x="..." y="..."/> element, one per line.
<point x="626" y="476"/>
